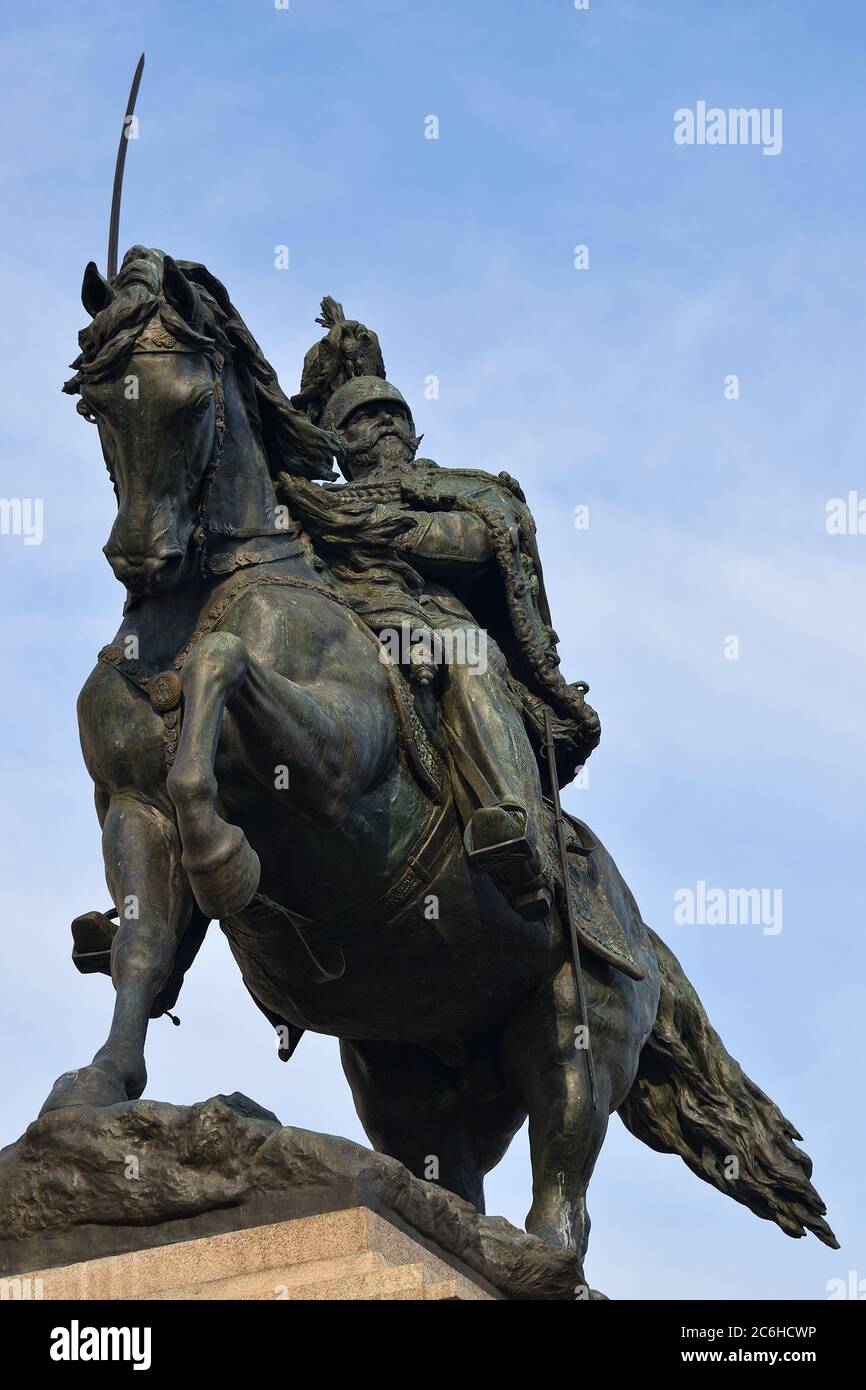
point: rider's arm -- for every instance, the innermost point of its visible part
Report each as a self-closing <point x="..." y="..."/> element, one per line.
<point x="443" y="541"/>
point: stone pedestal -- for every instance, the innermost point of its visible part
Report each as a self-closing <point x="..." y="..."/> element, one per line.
<point x="144" y="1200"/>
<point x="353" y="1254"/>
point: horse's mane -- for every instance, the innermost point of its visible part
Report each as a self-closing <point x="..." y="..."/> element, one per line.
<point x="207" y="322"/>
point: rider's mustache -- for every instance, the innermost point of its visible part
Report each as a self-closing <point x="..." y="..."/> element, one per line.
<point x="399" y="429"/>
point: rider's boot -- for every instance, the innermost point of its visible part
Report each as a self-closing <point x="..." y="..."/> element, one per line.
<point x="497" y="788"/>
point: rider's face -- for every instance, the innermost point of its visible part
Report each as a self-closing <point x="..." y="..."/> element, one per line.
<point x="377" y="435"/>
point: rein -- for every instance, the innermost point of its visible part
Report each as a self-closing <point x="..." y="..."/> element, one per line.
<point x="201" y="531"/>
<point x="262" y="546"/>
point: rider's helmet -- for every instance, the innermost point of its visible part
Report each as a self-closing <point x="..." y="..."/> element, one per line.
<point x="358" y="391"/>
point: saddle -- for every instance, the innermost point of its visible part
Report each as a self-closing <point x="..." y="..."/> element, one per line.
<point x="598" y="927"/>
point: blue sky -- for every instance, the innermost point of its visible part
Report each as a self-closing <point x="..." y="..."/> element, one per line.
<point x="604" y="388"/>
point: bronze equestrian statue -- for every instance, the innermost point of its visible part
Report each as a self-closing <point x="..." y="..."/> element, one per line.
<point x="373" y="833"/>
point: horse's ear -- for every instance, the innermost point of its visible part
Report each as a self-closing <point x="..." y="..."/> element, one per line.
<point x="96" y="293"/>
<point x="180" y="292"/>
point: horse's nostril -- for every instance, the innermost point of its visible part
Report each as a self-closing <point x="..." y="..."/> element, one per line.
<point x="165" y="559"/>
<point x="144" y="569"/>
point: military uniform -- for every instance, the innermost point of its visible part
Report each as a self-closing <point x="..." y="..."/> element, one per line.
<point x="469" y="573"/>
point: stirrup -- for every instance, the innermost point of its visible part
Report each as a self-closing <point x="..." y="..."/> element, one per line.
<point x="511" y="862"/>
<point x="92" y="935"/>
<point x="533" y="905"/>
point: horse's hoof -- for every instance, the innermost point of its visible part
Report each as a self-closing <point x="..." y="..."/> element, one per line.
<point x="84" y="1086"/>
<point x="228" y="883"/>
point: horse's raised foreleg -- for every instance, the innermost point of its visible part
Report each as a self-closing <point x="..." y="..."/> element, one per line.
<point x="222" y="866"/>
<point x="332" y="742"/>
<point x="143" y="870"/>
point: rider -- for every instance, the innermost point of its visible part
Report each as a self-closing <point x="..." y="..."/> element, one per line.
<point x="467" y="567"/>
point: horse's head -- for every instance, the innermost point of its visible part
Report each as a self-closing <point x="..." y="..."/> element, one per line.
<point x="163" y="352"/>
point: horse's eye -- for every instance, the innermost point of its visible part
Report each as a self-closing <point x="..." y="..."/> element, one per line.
<point x="201" y="405"/>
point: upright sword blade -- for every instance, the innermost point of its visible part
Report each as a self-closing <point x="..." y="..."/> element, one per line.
<point x="114" y="223"/>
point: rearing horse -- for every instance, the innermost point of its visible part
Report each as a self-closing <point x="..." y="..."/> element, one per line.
<point x="256" y="763"/>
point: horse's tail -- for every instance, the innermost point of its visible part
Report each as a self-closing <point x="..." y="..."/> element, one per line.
<point x="691" y="1098"/>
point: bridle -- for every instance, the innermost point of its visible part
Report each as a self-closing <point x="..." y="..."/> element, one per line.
<point x="241" y="548"/>
<point x="163" y="688"/>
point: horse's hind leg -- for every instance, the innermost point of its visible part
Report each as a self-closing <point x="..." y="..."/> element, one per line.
<point x="545" y="1068"/>
<point x="412" y="1108"/>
